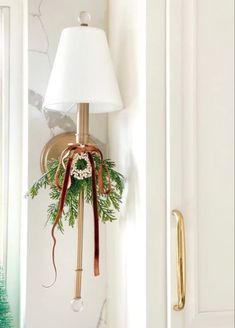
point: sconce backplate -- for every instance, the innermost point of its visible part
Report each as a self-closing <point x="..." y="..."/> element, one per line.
<point x="55" y="146"/>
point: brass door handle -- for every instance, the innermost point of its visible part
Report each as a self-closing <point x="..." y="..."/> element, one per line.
<point x="181" y="261"/>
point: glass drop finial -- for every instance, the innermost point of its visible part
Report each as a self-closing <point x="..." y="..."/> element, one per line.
<point x="77" y="304"/>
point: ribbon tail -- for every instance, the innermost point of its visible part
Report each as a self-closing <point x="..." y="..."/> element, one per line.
<point x="101" y="182"/>
<point x="59" y="214"/>
<point x="96" y="217"/>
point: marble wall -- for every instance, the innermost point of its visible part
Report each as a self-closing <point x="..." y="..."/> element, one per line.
<point x="51" y="307"/>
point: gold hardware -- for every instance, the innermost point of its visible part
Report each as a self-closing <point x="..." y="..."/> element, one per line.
<point x="181" y="262"/>
<point x="53" y="149"/>
<point x="81" y="137"/>
<point x="55" y="146"/>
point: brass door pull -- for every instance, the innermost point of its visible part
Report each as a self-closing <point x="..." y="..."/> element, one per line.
<point x="181" y="265"/>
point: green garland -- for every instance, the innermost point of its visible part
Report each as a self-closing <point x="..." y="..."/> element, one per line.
<point x="107" y="204"/>
<point x="5" y="315"/>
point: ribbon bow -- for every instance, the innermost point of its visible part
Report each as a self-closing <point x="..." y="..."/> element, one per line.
<point x="66" y="160"/>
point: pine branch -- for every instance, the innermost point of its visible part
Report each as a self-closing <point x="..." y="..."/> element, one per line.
<point x="108" y="205"/>
<point x="5" y="314"/>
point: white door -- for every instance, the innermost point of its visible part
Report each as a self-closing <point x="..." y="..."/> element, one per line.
<point x="200" y="153"/>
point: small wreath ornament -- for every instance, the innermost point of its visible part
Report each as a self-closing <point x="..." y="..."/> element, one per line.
<point x="81" y="167"/>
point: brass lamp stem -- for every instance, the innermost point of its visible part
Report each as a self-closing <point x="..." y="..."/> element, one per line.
<point x="82" y="137"/>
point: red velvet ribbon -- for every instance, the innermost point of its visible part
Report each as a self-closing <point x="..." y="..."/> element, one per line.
<point x="66" y="160"/>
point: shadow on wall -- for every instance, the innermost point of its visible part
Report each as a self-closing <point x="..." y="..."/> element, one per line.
<point x="54" y="119"/>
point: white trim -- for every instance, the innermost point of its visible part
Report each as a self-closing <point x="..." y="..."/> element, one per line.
<point x="24" y="186"/>
<point x="17" y="117"/>
<point x="168" y="169"/>
<point x="181" y="125"/>
<point x="156" y="164"/>
<point x="174" y="66"/>
<point x="4" y="119"/>
<point x="189" y="150"/>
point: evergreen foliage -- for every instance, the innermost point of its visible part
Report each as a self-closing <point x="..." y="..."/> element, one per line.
<point x="107" y="204"/>
<point x="5" y="315"/>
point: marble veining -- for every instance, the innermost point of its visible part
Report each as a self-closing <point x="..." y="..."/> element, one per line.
<point x="53" y="119"/>
<point x="38" y="15"/>
<point x="102" y="318"/>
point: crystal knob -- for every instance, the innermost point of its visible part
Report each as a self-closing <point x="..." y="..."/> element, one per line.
<point x="77" y="304"/>
<point x="84" y="18"/>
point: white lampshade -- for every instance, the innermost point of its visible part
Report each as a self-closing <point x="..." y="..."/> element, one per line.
<point x="83" y="73"/>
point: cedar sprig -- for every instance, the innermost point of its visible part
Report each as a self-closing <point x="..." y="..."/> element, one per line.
<point x="108" y="205"/>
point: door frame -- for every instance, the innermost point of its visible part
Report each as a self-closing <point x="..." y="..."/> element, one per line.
<point x="156" y="163"/>
<point x="181" y="90"/>
<point x="16" y="123"/>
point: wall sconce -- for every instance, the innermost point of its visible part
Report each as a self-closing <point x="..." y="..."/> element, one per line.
<point x="82" y="80"/>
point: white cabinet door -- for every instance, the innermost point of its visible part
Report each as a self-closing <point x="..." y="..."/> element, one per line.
<point x="200" y="154"/>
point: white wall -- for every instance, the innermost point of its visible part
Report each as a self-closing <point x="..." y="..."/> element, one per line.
<point x="126" y="242"/>
<point x="51" y="307"/>
<point x="156" y="164"/>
